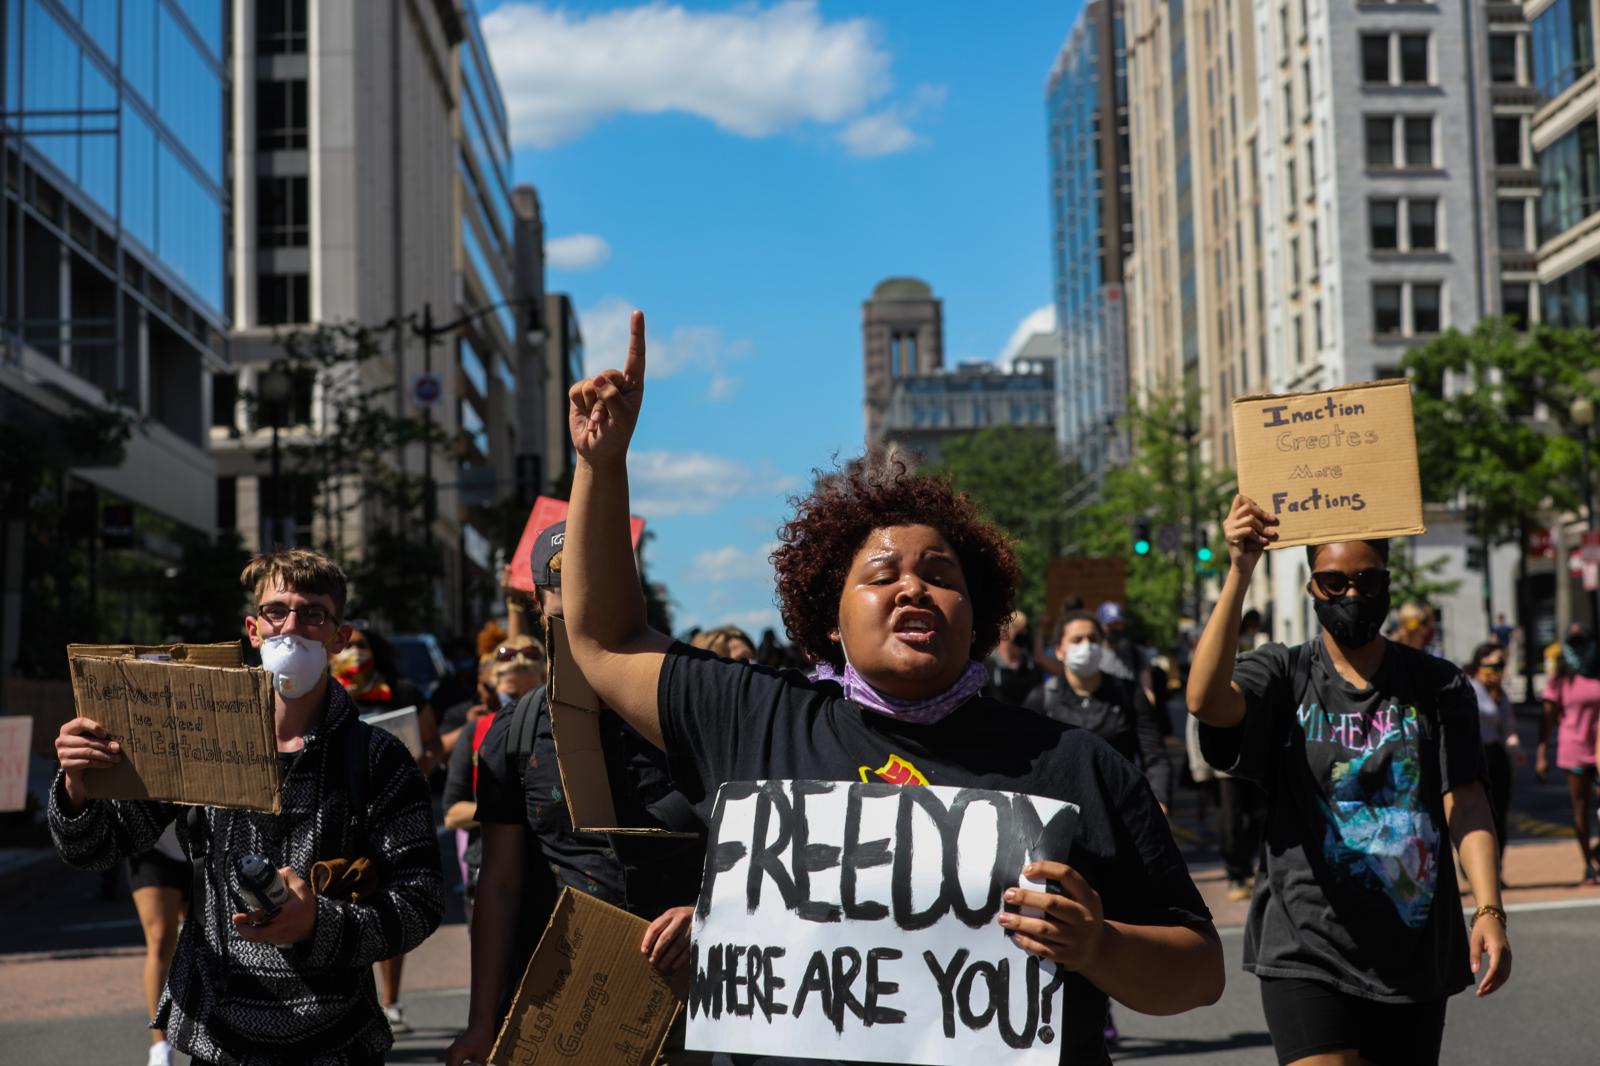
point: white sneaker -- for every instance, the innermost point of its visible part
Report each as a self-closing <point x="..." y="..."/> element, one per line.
<point x="397" y="1019"/>
<point x="160" y="1054"/>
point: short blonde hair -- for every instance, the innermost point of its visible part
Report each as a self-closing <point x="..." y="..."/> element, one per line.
<point x="718" y="641"/>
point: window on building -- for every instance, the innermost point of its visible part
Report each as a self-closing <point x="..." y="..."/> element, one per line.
<point x="1569" y="181"/>
<point x="1380" y="140"/>
<point x="283" y="299"/>
<point x="1375" y="58"/>
<point x="1284" y="42"/>
<point x="1305" y="90"/>
<point x="280" y="114"/>
<point x="1291" y="186"/>
<point x="1508" y="140"/>
<point x="1296" y="348"/>
<point x="1516" y="301"/>
<point x="1573" y="299"/>
<point x="1316" y="327"/>
<point x="224" y="400"/>
<point x="1561" y="47"/>
<point x="1503" y="58"/>
<point x="1419" y="140"/>
<point x="227" y="503"/>
<point x="280" y="27"/>
<point x="1512" y="216"/>
<point x="1425" y="309"/>
<point x="1386" y="310"/>
<point x="1294" y="266"/>
<point x="1414" y="59"/>
<point x="283" y="216"/>
<point x="1288" y="110"/>
<point x="1311" y="168"/>
<point x="1422" y="225"/>
<point x="1383" y="218"/>
<point x="1314" y="248"/>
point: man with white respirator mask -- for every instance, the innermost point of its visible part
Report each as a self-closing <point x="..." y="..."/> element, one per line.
<point x="354" y="805"/>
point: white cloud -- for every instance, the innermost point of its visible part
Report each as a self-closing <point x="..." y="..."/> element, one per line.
<point x="663" y="484"/>
<point x="696" y="348"/>
<point x="1039" y="320"/>
<point x="733" y="564"/>
<point x="889" y="131"/>
<point x="754" y="621"/>
<point x="580" y="251"/>
<point x="751" y="70"/>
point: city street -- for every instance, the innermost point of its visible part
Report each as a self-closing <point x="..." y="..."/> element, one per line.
<point x="70" y="964"/>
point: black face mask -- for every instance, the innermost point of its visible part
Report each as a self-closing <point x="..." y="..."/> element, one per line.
<point x="1353" y="621"/>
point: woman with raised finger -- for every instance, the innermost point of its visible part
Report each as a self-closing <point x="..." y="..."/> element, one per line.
<point x="896" y="583"/>
<point x="1369" y="753"/>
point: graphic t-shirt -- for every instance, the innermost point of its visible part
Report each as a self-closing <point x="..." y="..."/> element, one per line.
<point x="725" y="721"/>
<point x="642" y="875"/>
<point x="1578" y="699"/>
<point x="1360" y="889"/>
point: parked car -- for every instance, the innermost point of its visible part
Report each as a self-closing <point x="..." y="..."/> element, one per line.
<point x="420" y="660"/>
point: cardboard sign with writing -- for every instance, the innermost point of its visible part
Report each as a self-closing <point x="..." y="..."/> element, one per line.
<point x="189" y="734"/>
<point x="15" y="732"/>
<point x="588" y="994"/>
<point x="844" y="920"/>
<point x="194" y="654"/>
<point x="1332" y="466"/>
<point x="546" y="513"/>
<point x="1092" y="580"/>
<point x="575" y="724"/>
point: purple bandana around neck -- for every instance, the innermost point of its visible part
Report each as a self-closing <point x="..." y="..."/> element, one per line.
<point x="921" y="712"/>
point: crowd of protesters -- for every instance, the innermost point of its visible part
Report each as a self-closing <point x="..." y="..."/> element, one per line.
<point x="1344" y="771"/>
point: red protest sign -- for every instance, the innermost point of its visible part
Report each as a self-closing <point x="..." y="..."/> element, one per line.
<point x="546" y="513"/>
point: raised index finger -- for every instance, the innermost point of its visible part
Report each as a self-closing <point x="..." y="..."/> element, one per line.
<point x="634" y="368"/>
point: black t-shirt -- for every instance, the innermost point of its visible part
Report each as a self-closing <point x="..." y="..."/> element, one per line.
<point x="1011" y="684"/>
<point x="726" y="721"/>
<point x="1360" y="889"/>
<point x="643" y="875"/>
<point x="1116" y="712"/>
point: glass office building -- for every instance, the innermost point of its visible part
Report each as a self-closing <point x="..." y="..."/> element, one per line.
<point x="113" y="295"/>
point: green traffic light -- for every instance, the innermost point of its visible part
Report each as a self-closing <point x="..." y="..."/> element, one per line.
<point x="1203" y="554"/>
<point x="1141" y="547"/>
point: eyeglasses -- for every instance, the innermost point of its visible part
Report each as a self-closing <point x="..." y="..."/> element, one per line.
<point x="505" y="654"/>
<point x="1335" y="583"/>
<point x="310" y="615"/>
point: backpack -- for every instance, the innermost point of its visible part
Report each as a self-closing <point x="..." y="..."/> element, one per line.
<point x="524" y="723"/>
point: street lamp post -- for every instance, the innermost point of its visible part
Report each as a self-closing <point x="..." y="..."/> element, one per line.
<point x="275" y="388"/>
<point x="1190" y="435"/>
<point x="1582" y="414"/>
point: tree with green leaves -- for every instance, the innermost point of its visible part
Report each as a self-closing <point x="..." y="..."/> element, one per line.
<point x="1017" y="479"/>
<point x="1165" y="484"/>
<point x="1492" y="424"/>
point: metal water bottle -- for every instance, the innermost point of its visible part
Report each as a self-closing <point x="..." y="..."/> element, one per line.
<point x="261" y="886"/>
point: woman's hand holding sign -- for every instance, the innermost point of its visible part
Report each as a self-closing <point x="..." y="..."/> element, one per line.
<point x="1068" y="931"/>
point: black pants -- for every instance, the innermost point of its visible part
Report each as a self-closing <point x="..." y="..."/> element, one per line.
<point x="1499" y="788"/>
<point x="1241" y="814"/>
<point x="1309" y="1018"/>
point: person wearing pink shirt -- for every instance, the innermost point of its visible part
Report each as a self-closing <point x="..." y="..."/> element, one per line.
<point x="1572" y="711"/>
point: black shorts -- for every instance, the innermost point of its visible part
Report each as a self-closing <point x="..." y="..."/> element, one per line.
<point x="1311" y="1018"/>
<point x="152" y="869"/>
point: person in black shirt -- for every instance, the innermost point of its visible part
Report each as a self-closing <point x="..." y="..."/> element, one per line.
<point x="530" y="851"/>
<point x="900" y="588"/>
<point x="1369" y="753"/>
<point x="1112" y="708"/>
<point x="1012" y="671"/>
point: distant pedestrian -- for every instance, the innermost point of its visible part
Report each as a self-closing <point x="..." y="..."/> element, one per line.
<point x="1497" y="725"/>
<point x="1012" y="671"/>
<point x="161" y="881"/>
<point x="726" y="642"/>
<point x="1572" y="712"/>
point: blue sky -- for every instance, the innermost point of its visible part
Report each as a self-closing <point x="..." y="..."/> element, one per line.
<point x="746" y="174"/>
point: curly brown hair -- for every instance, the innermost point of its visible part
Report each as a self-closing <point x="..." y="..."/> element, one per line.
<point x="818" y="544"/>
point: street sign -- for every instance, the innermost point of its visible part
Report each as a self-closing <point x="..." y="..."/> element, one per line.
<point x="1591" y="547"/>
<point x="427" y="389"/>
<point x="1542" y="543"/>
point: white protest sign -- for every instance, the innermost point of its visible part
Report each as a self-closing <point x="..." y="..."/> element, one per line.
<point x="403" y="723"/>
<point x="856" y="921"/>
<point x="16" y="733"/>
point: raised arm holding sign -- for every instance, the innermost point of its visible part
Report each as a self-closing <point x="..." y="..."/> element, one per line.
<point x="897" y="589"/>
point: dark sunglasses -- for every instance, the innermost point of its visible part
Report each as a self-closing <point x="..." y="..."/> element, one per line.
<point x="1335" y="583"/>
<point x="504" y="654"/>
<point x="1496" y="667"/>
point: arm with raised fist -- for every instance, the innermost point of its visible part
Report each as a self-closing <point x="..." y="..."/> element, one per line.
<point x="617" y="650"/>
<point x="1212" y="696"/>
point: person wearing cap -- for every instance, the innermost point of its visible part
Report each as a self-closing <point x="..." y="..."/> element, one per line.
<point x="531" y="850"/>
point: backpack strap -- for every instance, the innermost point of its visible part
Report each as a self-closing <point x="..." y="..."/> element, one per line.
<point x="524" y="723"/>
<point x="358" y="774"/>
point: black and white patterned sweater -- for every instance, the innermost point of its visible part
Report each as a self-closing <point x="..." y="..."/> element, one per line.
<point x="239" y="1003"/>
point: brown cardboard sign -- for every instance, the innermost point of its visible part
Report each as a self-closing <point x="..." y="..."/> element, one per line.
<point x="589" y="995"/>
<point x="1093" y="580"/>
<point x="575" y="713"/>
<point x="194" y="654"/>
<point x="1334" y="465"/>
<point x="189" y="733"/>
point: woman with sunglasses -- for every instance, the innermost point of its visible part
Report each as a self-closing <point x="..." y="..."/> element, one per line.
<point x="1369" y="752"/>
<point x="1497" y="724"/>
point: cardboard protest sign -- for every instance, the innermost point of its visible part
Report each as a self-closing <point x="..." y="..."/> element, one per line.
<point x="575" y="725"/>
<point x="857" y="921"/>
<point x="15" y="733"/>
<point x="588" y="994"/>
<point x="1332" y="466"/>
<point x="194" y="654"/>
<point x="1092" y="580"/>
<point x="546" y="513"/>
<point x="403" y="724"/>
<point x="189" y="734"/>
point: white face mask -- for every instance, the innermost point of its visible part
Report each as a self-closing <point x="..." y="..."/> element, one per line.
<point x="1083" y="658"/>
<point x="295" y="663"/>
